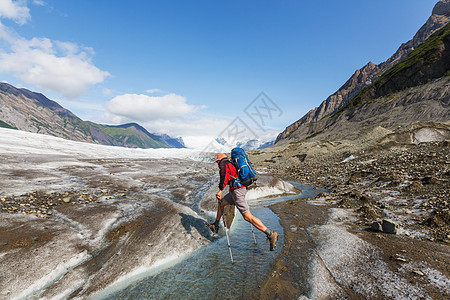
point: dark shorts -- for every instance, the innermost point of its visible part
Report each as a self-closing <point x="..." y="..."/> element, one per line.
<point x="237" y="197"/>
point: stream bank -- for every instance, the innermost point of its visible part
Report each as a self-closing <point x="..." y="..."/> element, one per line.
<point x="209" y="273"/>
<point x="407" y="184"/>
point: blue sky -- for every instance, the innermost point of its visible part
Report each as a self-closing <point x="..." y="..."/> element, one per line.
<point x="188" y="68"/>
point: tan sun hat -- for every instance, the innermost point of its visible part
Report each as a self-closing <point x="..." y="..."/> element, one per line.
<point x="220" y="156"/>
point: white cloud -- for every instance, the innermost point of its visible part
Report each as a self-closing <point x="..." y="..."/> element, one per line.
<point x="200" y="142"/>
<point x="155" y="91"/>
<point x="39" y="3"/>
<point x="189" y="125"/>
<point x="200" y="132"/>
<point x="56" y="66"/>
<point x="16" y="11"/>
<point x="61" y="67"/>
<point x="147" y="108"/>
<point x="197" y="130"/>
<point x="112" y="119"/>
<point x="202" y="126"/>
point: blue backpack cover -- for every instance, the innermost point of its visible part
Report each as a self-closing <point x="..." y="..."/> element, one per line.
<point x="247" y="174"/>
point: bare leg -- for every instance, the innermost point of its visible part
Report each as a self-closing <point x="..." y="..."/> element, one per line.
<point x="224" y="203"/>
<point x="254" y="220"/>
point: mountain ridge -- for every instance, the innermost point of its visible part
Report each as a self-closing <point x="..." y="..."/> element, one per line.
<point x="174" y="142"/>
<point x="31" y="111"/>
<point x="429" y="61"/>
<point x="415" y="90"/>
<point x="370" y="72"/>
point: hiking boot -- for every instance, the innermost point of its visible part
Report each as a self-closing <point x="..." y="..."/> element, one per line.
<point x="273" y="240"/>
<point x="213" y="227"/>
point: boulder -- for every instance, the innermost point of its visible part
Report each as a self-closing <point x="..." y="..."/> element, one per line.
<point x="376" y="226"/>
<point x="390" y="226"/>
<point x="386" y="226"/>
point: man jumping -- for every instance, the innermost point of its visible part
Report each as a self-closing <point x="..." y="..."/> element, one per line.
<point x="236" y="196"/>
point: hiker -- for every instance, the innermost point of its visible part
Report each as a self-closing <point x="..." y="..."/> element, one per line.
<point x="236" y="196"/>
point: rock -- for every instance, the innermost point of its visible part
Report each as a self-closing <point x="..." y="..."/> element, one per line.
<point x="390" y="226"/>
<point x="301" y="157"/>
<point x="66" y="199"/>
<point x="400" y="259"/>
<point x="386" y="226"/>
<point x="429" y="180"/>
<point x="417" y="272"/>
<point x="376" y="226"/>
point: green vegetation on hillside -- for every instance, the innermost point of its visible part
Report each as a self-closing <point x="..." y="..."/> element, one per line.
<point x="6" y="125"/>
<point x="131" y="136"/>
<point x="313" y="135"/>
<point x="409" y="71"/>
<point x="49" y="117"/>
<point x="40" y="124"/>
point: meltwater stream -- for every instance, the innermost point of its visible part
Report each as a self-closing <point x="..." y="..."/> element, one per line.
<point x="209" y="273"/>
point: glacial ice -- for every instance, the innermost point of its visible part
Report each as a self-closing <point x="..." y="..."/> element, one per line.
<point x="92" y="249"/>
<point x="85" y="249"/>
<point x="351" y="261"/>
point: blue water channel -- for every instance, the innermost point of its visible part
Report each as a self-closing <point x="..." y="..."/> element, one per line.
<point x="209" y="273"/>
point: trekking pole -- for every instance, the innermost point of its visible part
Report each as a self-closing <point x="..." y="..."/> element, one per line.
<point x="251" y="226"/>
<point x="226" y="230"/>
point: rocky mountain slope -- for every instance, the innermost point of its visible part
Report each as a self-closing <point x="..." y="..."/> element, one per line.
<point x="417" y="89"/>
<point x="29" y="111"/>
<point x="371" y="72"/>
<point x="384" y="156"/>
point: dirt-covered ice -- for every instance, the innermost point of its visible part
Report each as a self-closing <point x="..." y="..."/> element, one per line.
<point x="346" y="260"/>
<point x="77" y="218"/>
